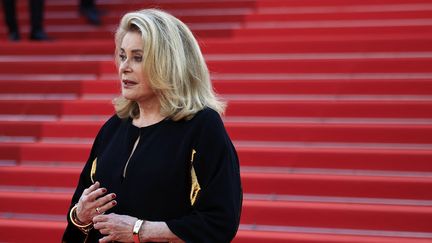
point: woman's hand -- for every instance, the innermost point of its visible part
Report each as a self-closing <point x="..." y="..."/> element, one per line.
<point x="93" y="202"/>
<point x="115" y="227"/>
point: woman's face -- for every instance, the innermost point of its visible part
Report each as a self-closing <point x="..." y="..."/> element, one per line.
<point x="134" y="82"/>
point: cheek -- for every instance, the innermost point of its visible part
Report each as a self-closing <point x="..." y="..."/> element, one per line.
<point x="139" y="70"/>
<point x="119" y="72"/>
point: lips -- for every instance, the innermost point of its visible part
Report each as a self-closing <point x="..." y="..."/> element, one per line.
<point x="128" y="83"/>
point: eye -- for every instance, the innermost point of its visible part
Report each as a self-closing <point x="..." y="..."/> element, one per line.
<point x="138" y="58"/>
<point x="122" y="57"/>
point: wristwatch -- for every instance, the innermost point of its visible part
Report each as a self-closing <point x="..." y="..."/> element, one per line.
<point x="136" y="230"/>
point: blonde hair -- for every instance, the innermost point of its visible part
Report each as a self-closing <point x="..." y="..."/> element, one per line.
<point x="175" y="66"/>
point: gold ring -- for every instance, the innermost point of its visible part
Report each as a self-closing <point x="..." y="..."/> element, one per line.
<point x="97" y="210"/>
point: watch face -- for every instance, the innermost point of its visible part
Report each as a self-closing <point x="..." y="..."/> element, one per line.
<point x="137" y="226"/>
<point x="136" y="229"/>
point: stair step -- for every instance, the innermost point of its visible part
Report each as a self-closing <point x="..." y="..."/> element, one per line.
<point x="334" y="157"/>
<point x="376" y="65"/>
<point x="114" y="5"/>
<point x="331" y="133"/>
<point x="53" y="67"/>
<point x="322" y="66"/>
<point x="37" y="230"/>
<point x="334" y="29"/>
<point x="78" y="88"/>
<point x="232" y="119"/>
<point x="326" y="86"/>
<point x="328" y="199"/>
<point x="227" y="97"/>
<point x="219" y="46"/>
<point x="336" y="3"/>
<point x="300" y="214"/>
<point x="337" y="185"/>
<point x="305" y="155"/>
<point x="317" y="45"/>
<point x="312" y="31"/>
<point x="324" y="108"/>
<point x="351" y="216"/>
<point x="351" y="185"/>
<point x="323" y="13"/>
<point x="248" y="15"/>
<point x="225" y="15"/>
<point x="28" y="190"/>
<point x="41" y="177"/>
<point x="245" y="131"/>
<point x="235" y="57"/>
<point x="368" y="109"/>
<point x="48" y="231"/>
<point x="110" y="6"/>
<point x="230" y="57"/>
<point x="42" y="203"/>
<point x="251" y="236"/>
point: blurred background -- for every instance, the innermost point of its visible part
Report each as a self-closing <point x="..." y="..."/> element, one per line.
<point x="329" y="106"/>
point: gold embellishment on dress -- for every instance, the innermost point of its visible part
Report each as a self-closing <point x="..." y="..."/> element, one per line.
<point x="195" y="188"/>
<point x="93" y="170"/>
<point x="193" y="154"/>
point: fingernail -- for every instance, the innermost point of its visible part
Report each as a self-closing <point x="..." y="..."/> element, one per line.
<point x="114" y="203"/>
<point x="104" y="190"/>
<point x="113" y="196"/>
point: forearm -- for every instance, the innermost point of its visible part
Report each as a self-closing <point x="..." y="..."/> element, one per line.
<point x="157" y="232"/>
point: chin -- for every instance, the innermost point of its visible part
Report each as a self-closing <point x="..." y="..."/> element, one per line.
<point x="128" y="96"/>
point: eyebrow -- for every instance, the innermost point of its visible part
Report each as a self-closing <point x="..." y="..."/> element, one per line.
<point x="134" y="50"/>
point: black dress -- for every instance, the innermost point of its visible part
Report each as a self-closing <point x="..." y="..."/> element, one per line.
<point x="156" y="184"/>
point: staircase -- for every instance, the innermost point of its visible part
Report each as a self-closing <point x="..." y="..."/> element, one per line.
<point x="330" y="108"/>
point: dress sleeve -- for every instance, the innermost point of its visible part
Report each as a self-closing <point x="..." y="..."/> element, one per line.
<point x="216" y="212"/>
<point x="72" y="233"/>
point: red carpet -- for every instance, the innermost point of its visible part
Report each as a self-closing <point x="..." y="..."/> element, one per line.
<point x="330" y="108"/>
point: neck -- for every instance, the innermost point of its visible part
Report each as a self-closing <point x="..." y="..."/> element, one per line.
<point x="149" y="114"/>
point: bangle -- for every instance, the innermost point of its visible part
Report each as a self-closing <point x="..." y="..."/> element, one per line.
<point x="85" y="228"/>
<point x="136" y="230"/>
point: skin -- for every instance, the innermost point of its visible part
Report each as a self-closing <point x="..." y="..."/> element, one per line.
<point x="135" y="87"/>
<point x="92" y="198"/>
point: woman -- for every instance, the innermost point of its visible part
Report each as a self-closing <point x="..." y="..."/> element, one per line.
<point x="163" y="168"/>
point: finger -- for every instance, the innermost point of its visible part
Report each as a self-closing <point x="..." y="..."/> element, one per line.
<point x="99" y="211"/>
<point x="106" y="239"/>
<point x="95" y="194"/>
<point x="104" y="231"/>
<point x="91" y="188"/>
<point x="100" y="225"/>
<point x="105" y="199"/>
<point x="101" y="218"/>
<point x="107" y="206"/>
<point x="86" y="209"/>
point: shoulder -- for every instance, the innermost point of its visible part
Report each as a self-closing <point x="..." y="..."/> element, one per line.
<point x="208" y="116"/>
<point x="209" y="125"/>
<point x="111" y="125"/>
<point x="114" y="120"/>
<point x="209" y="121"/>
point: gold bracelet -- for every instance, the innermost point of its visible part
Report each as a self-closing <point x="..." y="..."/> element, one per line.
<point x="84" y="228"/>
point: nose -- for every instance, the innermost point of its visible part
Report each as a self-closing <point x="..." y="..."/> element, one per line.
<point x="125" y="67"/>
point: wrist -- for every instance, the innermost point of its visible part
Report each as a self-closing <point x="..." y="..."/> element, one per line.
<point x="85" y="228"/>
<point x="77" y="218"/>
